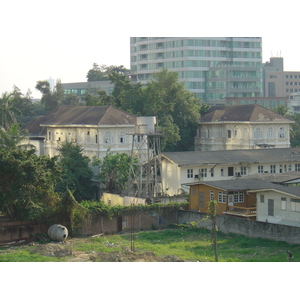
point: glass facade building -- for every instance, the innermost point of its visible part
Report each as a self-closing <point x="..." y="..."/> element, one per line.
<point x="210" y="67"/>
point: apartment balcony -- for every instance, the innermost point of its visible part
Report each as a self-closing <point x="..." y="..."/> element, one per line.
<point x="240" y="211"/>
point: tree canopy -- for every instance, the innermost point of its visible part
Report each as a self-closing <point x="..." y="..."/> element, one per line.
<point x="77" y="174"/>
<point x="27" y="185"/>
<point x="114" y="171"/>
<point x="176" y="108"/>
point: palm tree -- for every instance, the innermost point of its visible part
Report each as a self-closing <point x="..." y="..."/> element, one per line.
<point x="13" y="138"/>
<point x="8" y="111"/>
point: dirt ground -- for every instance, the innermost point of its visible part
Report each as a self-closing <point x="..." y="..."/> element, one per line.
<point x="65" y="250"/>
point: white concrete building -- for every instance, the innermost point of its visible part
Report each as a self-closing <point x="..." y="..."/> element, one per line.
<point x="95" y="128"/>
<point x="242" y="127"/>
<point x="179" y="168"/>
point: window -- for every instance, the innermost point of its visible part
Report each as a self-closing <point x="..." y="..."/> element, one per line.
<point x="122" y="136"/>
<point x="222" y="172"/>
<point x="260" y="169"/>
<point x="272" y="168"/>
<point x="49" y="135"/>
<point x="203" y="173"/>
<point x="281" y="133"/>
<point x="229" y="134"/>
<point x="212" y="195"/>
<point x="190" y="173"/>
<point x="194" y="191"/>
<point x="270" y="207"/>
<point x="297" y="167"/>
<point x="243" y="170"/>
<point x="262" y="198"/>
<point x="96" y="138"/>
<point x="257" y="133"/>
<point x="270" y="133"/>
<point x="295" y="205"/>
<point x="201" y="199"/>
<point x="222" y="197"/>
<point x="230" y="171"/>
<point x="283" y="203"/>
<point x="238" y="197"/>
<point x="108" y="138"/>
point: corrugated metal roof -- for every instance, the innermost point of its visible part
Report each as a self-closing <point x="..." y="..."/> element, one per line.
<point x="194" y="158"/>
<point x="249" y="185"/>
<point x="275" y="177"/>
<point x="242" y="113"/>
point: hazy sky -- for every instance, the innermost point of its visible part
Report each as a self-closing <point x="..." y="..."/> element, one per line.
<point x="62" y="39"/>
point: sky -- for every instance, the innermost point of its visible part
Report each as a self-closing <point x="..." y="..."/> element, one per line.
<point x="62" y="39"/>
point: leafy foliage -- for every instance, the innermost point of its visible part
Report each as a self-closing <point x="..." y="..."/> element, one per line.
<point x="8" y="111"/>
<point x="50" y="99"/>
<point x="117" y="210"/>
<point x="77" y="175"/>
<point x="164" y="97"/>
<point x="27" y="185"/>
<point x="114" y="171"/>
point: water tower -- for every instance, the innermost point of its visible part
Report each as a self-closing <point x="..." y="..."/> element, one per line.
<point x="145" y="169"/>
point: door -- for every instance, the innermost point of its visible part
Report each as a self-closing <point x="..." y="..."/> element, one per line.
<point x="270" y="207"/>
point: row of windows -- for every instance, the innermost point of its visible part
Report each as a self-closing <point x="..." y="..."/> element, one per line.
<point x="195" y="53"/>
<point x="233" y="197"/>
<point x="292" y="76"/>
<point x="191" y="63"/>
<point x="292" y="83"/>
<point x="107" y="138"/>
<point x="292" y="91"/>
<point x="193" y="43"/>
<point x="294" y="204"/>
<point x="204" y="172"/>
<point x="265" y="103"/>
<point x="236" y="133"/>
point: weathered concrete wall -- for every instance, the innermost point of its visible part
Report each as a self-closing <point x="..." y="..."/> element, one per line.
<point x="143" y="220"/>
<point x="249" y="228"/>
<point x="95" y="224"/>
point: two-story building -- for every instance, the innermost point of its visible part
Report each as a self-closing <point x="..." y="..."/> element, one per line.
<point x="242" y="127"/>
<point x="201" y="166"/>
<point x="95" y="128"/>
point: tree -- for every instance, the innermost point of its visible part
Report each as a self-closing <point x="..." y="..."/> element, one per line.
<point x="12" y="137"/>
<point x="8" y="111"/>
<point x="98" y="73"/>
<point x="166" y="96"/>
<point x="27" y="185"/>
<point x="175" y="107"/>
<point x="50" y="99"/>
<point x="212" y="211"/>
<point x="122" y="87"/>
<point x="97" y="99"/>
<point x="77" y="175"/>
<point x="114" y="171"/>
<point x="281" y="110"/>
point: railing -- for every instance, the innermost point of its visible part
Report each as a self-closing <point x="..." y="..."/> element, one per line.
<point x="241" y="211"/>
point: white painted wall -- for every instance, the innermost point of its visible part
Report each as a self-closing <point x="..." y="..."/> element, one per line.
<point x="280" y="214"/>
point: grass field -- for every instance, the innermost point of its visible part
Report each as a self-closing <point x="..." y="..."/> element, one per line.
<point x="189" y="244"/>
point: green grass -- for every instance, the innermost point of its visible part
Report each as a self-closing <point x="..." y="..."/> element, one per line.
<point x="192" y="244"/>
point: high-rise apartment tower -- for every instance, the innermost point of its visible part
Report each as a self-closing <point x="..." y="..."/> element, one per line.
<point x="211" y="67"/>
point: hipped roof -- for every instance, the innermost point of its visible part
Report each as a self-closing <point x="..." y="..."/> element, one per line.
<point x="242" y="113"/>
<point x="80" y="115"/>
